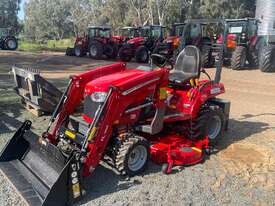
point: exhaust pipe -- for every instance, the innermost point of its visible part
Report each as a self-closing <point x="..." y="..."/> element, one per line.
<point x="40" y="172"/>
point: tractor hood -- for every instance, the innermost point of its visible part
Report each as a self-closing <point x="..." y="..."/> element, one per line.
<point x="136" y="40"/>
<point x="127" y="79"/>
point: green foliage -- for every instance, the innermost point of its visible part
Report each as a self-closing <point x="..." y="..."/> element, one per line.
<point x="58" y="19"/>
<point x="50" y="45"/>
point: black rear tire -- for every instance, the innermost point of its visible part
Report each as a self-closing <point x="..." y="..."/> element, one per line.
<point x="11" y="43"/>
<point x="211" y="122"/>
<point x="96" y="50"/>
<point x="126" y="151"/>
<point x="267" y="59"/>
<point x="124" y="55"/>
<point x="253" y="59"/>
<point x="207" y="60"/>
<point x="110" y="51"/>
<point x="238" y="59"/>
<point x="70" y="52"/>
<point x="142" y="55"/>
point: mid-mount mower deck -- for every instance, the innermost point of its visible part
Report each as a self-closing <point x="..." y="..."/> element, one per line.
<point x="128" y="115"/>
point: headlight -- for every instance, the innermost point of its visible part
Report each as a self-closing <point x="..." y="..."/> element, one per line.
<point x="99" y="96"/>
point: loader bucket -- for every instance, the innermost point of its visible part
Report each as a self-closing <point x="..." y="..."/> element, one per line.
<point x="35" y="91"/>
<point x="40" y="172"/>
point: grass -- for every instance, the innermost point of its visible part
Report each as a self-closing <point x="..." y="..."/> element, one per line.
<point x="50" y="45"/>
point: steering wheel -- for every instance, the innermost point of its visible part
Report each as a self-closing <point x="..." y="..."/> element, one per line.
<point x="161" y="61"/>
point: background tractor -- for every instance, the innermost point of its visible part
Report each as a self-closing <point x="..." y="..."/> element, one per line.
<point x="201" y="33"/>
<point x="241" y="42"/>
<point x="127" y="33"/>
<point x="7" y="41"/>
<point x="141" y="47"/>
<point x="97" y="42"/>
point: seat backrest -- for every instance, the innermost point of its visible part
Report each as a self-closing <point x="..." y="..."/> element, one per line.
<point x="189" y="62"/>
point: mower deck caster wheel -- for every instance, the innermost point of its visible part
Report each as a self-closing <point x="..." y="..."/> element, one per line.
<point x="164" y="169"/>
<point x="207" y="151"/>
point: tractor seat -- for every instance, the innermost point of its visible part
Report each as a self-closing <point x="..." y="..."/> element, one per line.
<point x="188" y="65"/>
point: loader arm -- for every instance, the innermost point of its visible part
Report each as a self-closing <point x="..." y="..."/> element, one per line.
<point x="74" y="95"/>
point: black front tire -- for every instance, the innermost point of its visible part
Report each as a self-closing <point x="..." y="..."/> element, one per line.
<point x="11" y="43"/>
<point x="207" y="60"/>
<point x="110" y="51"/>
<point x="124" y="55"/>
<point x="70" y="52"/>
<point x="142" y="55"/>
<point x="267" y="59"/>
<point x="253" y="59"/>
<point x="96" y="50"/>
<point x="238" y="59"/>
<point x="124" y="155"/>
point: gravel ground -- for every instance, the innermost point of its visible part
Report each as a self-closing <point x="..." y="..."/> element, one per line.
<point x="241" y="172"/>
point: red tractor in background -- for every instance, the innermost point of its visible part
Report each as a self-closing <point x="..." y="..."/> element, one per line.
<point x="197" y="32"/>
<point x="242" y="42"/>
<point x="98" y="42"/>
<point x="127" y="33"/>
<point x="168" y="47"/>
<point x="164" y="112"/>
<point x="140" y="47"/>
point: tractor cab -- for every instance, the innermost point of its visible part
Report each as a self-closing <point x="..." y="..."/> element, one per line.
<point x="129" y="32"/>
<point x="100" y="32"/>
<point x="241" y="31"/>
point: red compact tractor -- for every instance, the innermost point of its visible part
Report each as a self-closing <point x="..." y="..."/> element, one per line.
<point x="98" y="42"/>
<point x="141" y="47"/>
<point x="128" y="116"/>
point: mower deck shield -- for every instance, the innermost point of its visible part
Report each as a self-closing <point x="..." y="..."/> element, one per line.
<point x="39" y="172"/>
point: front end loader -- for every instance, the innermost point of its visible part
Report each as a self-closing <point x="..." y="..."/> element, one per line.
<point x="158" y="112"/>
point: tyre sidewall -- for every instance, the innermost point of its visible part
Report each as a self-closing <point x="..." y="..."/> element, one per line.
<point x="8" y="39"/>
<point x="210" y="114"/>
<point x="127" y="169"/>
<point x="140" y="55"/>
<point x="97" y="50"/>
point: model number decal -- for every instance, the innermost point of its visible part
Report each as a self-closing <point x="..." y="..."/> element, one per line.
<point x="215" y="90"/>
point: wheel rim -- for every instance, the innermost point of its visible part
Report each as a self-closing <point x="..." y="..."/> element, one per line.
<point x="77" y="51"/>
<point x="11" y="44"/>
<point x="137" y="158"/>
<point x="214" y="127"/>
<point x="144" y="56"/>
<point x="93" y="51"/>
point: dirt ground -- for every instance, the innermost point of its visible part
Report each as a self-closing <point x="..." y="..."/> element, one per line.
<point x="242" y="172"/>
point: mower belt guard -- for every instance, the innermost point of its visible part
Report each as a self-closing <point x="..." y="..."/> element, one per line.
<point x="40" y="173"/>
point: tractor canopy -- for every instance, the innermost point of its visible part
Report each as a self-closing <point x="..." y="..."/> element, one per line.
<point x="99" y="31"/>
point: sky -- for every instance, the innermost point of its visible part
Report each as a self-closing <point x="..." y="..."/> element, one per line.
<point x="21" y="11"/>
